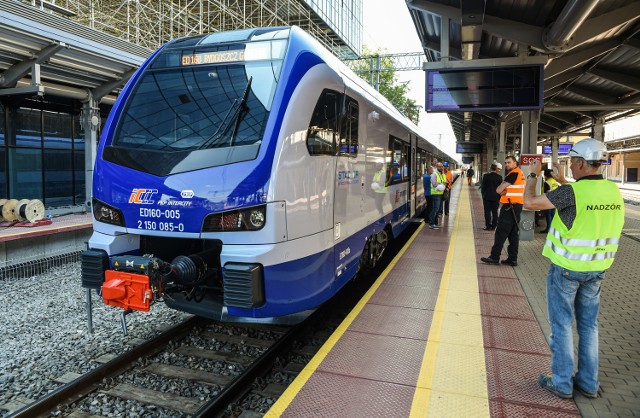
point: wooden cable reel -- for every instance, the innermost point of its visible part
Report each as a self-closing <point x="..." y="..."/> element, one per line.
<point x="8" y="210"/>
<point x="2" y="202"/>
<point x="29" y="210"/>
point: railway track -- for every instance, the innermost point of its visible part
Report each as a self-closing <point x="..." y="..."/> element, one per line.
<point x="214" y="362"/>
<point x="203" y="368"/>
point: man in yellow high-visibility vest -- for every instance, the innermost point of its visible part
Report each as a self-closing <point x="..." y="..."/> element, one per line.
<point x="581" y="244"/>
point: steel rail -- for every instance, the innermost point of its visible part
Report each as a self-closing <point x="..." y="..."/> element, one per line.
<point x="87" y="382"/>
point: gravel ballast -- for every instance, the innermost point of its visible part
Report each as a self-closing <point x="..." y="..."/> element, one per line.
<point x="45" y="335"/>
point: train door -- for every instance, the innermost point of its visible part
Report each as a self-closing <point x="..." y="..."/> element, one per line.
<point x="348" y="197"/>
<point x="412" y="181"/>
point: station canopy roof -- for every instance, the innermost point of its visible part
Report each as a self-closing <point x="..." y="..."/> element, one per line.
<point x="593" y="50"/>
<point x="41" y="53"/>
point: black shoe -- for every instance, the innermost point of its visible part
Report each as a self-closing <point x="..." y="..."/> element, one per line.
<point x="487" y="228"/>
<point x="489" y="260"/>
<point x="509" y="262"/>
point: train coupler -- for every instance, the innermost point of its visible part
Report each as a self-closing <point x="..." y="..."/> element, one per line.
<point x="127" y="290"/>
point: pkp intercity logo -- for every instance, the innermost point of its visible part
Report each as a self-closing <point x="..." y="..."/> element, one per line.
<point x="142" y="196"/>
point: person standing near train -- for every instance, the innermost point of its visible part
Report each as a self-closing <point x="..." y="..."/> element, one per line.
<point x="438" y="184"/>
<point x="511" y="196"/>
<point x="490" y="197"/>
<point x="426" y="182"/>
<point x="581" y="244"/>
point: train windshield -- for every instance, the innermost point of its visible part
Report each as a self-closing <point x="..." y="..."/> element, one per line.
<point x="199" y="107"/>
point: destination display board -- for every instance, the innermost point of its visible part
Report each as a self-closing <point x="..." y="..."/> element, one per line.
<point x="489" y="88"/>
<point x="469" y="147"/>
<point x="563" y="149"/>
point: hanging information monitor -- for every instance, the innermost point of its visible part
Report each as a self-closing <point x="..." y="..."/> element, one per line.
<point x="497" y="88"/>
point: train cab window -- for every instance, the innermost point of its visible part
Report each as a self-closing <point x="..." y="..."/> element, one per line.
<point x="321" y="136"/>
<point x="349" y="130"/>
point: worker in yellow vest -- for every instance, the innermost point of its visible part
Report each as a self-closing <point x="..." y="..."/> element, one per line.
<point x="582" y="243"/>
<point x="511" y="192"/>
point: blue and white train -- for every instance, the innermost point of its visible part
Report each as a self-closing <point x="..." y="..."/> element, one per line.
<point x="247" y="176"/>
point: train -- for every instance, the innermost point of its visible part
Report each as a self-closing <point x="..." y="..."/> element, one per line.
<point x="247" y="176"/>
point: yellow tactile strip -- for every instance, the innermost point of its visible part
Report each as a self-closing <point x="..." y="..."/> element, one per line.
<point x="452" y="380"/>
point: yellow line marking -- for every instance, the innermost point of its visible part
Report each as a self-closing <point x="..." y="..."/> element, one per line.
<point x="294" y="388"/>
<point x="443" y="370"/>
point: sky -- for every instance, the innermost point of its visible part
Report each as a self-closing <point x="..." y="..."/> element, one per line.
<point x="390" y="27"/>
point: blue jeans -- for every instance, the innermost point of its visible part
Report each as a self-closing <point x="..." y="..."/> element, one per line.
<point x="569" y="294"/>
<point x="433" y="217"/>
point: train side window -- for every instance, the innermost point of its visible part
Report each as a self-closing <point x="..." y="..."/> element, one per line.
<point x="349" y="130"/>
<point x="399" y="152"/>
<point x="321" y="135"/>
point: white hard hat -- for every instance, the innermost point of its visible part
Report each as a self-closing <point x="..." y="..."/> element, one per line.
<point x="440" y="187"/>
<point x="590" y="149"/>
<point x="499" y="166"/>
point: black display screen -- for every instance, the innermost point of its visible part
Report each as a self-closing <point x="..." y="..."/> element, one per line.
<point x="476" y="89"/>
<point x="469" y="147"/>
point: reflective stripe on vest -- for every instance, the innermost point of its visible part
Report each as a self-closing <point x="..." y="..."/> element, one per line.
<point x="592" y="242"/>
<point x="515" y="192"/>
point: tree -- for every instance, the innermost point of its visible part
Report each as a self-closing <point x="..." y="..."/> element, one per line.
<point x="385" y="81"/>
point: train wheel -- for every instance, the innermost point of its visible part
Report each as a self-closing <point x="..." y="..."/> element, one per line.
<point x="374" y="248"/>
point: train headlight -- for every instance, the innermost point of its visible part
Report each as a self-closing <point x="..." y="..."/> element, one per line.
<point x="257" y="218"/>
<point x="106" y="213"/>
<point x="249" y="219"/>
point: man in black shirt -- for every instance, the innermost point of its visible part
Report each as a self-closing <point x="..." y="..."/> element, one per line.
<point x="490" y="198"/>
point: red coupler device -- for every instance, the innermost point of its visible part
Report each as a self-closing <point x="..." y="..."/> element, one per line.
<point x="127" y="290"/>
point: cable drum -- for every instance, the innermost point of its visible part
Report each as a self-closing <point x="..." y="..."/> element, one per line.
<point x="30" y="210"/>
<point x="8" y="210"/>
<point x="19" y="210"/>
<point x="2" y="202"/>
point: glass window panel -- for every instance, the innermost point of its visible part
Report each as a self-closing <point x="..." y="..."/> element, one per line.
<point x="78" y="134"/>
<point x="3" y="174"/>
<point x="58" y="178"/>
<point x="57" y="130"/>
<point x="79" y="179"/>
<point x="28" y="128"/>
<point x="2" y="126"/>
<point x="25" y="178"/>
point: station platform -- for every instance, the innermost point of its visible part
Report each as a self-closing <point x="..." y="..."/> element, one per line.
<point x="442" y="334"/>
<point x="64" y="234"/>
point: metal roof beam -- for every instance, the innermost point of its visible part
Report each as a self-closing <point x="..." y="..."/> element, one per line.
<point x="517" y="32"/>
<point x="552" y="124"/>
<point x="599" y="25"/>
<point x="592" y="108"/>
<point x="550" y="85"/>
<point x="572" y="60"/>
<point x="591" y="95"/>
<point x="621" y="79"/>
<point x="14" y="73"/>
<point x="561" y="118"/>
<point x="106" y="88"/>
<point x="446" y="12"/>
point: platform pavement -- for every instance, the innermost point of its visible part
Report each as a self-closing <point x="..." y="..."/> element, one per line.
<point x="619" y="318"/>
